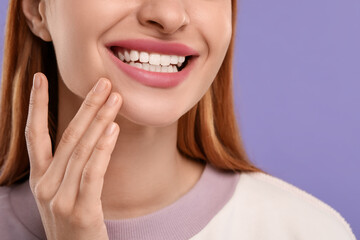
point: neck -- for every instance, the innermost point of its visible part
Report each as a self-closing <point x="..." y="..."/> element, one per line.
<point x="146" y="172"/>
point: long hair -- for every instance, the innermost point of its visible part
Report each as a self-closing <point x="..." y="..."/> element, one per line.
<point x="208" y="132"/>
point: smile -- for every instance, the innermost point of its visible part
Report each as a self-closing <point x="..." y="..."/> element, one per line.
<point x="153" y="62"/>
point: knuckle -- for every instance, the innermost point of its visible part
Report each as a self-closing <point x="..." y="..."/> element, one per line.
<point x="70" y="135"/>
<point x="100" y="117"/>
<point x="81" y="150"/>
<point x="31" y="134"/>
<point x="82" y="219"/>
<point x="91" y="174"/>
<point x="102" y="145"/>
<point x="89" y="103"/>
<point x="42" y="193"/>
<point x="60" y="208"/>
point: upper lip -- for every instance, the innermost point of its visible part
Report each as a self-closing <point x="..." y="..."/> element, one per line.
<point x="148" y="45"/>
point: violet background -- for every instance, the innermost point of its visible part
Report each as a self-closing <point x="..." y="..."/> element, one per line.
<point x="297" y="72"/>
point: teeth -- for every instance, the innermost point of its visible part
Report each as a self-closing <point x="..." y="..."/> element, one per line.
<point x="154" y="68"/>
<point x="139" y="65"/>
<point x="134" y="55"/>
<point x="121" y="56"/>
<point x="146" y="66"/>
<point x="127" y="56"/>
<point x="144" y="57"/>
<point x="152" y="58"/>
<point x="164" y="69"/>
<point x="165" y="60"/>
<point x="153" y="62"/>
<point x="170" y="69"/>
<point x="174" y="59"/>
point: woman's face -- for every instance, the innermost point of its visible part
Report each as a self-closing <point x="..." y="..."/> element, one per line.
<point x="81" y="31"/>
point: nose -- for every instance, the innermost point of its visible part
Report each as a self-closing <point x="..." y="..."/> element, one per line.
<point x="165" y="16"/>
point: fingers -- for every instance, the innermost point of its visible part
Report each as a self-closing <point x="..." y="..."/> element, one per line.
<point x="82" y="152"/>
<point x="80" y="160"/>
<point x="92" y="178"/>
<point x="76" y="128"/>
<point x="36" y="132"/>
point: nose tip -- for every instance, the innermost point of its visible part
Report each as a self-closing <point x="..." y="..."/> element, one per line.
<point x="168" y="26"/>
<point x="163" y="15"/>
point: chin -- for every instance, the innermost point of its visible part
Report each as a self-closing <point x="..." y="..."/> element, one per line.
<point x="150" y="116"/>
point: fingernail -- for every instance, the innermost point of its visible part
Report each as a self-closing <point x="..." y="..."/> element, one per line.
<point x="110" y="129"/>
<point x="36" y="81"/>
<point x="100" y="86"/>
<point x="112" y="99"/>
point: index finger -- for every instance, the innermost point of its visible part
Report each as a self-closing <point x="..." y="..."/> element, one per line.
<point x="36" y="131"/>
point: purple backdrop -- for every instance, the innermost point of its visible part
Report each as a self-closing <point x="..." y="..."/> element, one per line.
<point x="297" y="94"/>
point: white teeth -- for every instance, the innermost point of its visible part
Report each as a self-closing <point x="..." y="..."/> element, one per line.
<point x="134" y="55"/>
<point x="154" y="68"/>
<point x="144" y="57"/>
<point x="127" y="56"/>
<point x="165" y="60"/>
<point x="121" y="56"/>
<point x="164" y="69"/>
<point x="174" y="59"/>
<point x="154" y="59"/>
<point x="152" y="62"/>
<point x="139" y="65"/>
<point x="146" y="66"/>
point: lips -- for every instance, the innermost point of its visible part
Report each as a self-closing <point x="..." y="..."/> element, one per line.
<point x="161" y="47"/>
<point x="155" y="79"/>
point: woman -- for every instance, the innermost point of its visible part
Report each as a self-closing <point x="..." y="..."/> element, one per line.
<point x="161" y="72"/>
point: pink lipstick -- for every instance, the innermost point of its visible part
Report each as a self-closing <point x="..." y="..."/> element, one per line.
<point x="149" y="78"/>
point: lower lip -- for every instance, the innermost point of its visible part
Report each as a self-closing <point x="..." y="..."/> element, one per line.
<point x="154" y="79"/>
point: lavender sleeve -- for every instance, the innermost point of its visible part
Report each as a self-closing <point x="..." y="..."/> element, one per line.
<point x="11" y="228"/>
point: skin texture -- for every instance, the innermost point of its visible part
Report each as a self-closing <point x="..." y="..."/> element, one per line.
<point x="93" y="177"/>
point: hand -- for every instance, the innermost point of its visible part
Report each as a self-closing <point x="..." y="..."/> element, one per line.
<point x="67" y="186"/>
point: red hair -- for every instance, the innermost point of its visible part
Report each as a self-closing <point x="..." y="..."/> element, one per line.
<point x="208" y="132"/>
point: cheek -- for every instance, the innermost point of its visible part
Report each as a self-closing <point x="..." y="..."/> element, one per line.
<point x="213" y="20"/>
<point x="75" y="34"/>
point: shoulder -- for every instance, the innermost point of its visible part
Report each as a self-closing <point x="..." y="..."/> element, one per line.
<point x="265" y="207"/>
<point x="7" y="217"/>
<point x="11" y="224"/>
<point x="280" y="203"/>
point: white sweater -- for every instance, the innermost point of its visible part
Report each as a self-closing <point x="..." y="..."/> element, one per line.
<point x="266" y="208"/>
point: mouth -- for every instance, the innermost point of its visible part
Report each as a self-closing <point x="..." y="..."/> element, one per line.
<point x="151" y="61"/>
